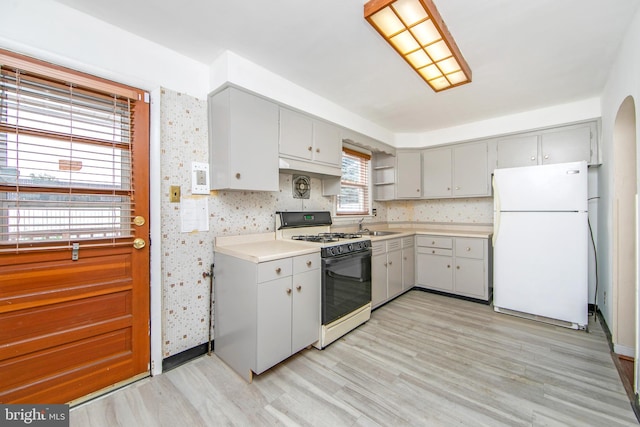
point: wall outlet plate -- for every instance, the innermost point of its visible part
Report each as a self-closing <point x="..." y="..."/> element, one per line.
<point x="199" y="178"/>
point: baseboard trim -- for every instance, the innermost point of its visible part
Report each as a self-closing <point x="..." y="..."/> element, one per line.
<point x="185" y="356"/>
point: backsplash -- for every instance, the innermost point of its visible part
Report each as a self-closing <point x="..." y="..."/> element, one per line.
<point x="185" y="256"/>
<point x="477" y="210"/>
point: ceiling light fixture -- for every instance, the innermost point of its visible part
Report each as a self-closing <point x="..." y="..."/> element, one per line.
<point x="415" y="29"/>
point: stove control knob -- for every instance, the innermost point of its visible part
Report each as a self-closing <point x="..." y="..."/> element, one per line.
<point x="350" y="247"/>
<point x="330" y="251"/>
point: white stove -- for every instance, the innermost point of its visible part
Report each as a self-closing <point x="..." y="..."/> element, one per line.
<point x="346" y="270"/>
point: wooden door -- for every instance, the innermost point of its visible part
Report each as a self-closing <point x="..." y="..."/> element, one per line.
<point x="72" y="322"/>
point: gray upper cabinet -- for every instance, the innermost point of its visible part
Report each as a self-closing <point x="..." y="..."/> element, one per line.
<point x="436" y="168"/>
<point x="470" y="170"/>
<point x="408" y="181"/>
<point x="458" y="171"/>
<point x="243" y="141"/>
<point x="558" y="145"/>
<point x="305" y="138"/>
<point x="518" y="151"/>
<point x="296" y="134"/>
<point x="566" y="145"/>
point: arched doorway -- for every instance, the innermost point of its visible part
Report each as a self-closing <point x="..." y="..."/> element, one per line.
<point x="625" y="234"/>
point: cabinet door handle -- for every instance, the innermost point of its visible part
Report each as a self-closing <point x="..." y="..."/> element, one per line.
<point x="433" y="252"/>
<point x="390" y="262"/>
<point x="405" y="258"/>
<point x="308" y="263"/>
<point x="457" y="188"/>
<point x="533" y="158"/>
<point x="238" y="175"/>
<point x="448" y="188"/>
<point x="288" y="291"/>
<point x="418" y="190"/>
<point x="546" y="156"/>
<point x="448" y="266"/>
<point x="457" y="267"/>
<point x="468" y="249"/>
<point x="278" y="270"/>
<point x="298" y="288"/>
<point x="317" y="150"/>
<point x="385" y="264"/>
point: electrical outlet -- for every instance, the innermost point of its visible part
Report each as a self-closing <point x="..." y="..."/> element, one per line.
<point x="174" y="194"/>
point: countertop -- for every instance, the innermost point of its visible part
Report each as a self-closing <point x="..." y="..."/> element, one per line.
<point x="265" y="247"/>
<point x="262" y="247"/>
<point x="404" y="232"/>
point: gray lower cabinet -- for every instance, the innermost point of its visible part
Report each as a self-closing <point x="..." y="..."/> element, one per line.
<point x="387" y="271"/>
<point x="408" y="263"/>
<point x="456" y="265"/>
<point x="265" y="312"/>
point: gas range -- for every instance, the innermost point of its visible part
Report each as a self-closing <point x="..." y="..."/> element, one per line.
<point x="345" y="270"/>
<point x="316" y="228"/>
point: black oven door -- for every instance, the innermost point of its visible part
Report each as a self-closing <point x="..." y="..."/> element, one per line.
<point x="346" y="284"/>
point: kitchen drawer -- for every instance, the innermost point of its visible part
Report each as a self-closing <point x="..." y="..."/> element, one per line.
<point x="307" y="262"/>
<point x="435" y="242"/>
<point x="435" y="251"/>
<point x="274" y="269"/>
<point x="393" y="245"/>
<point x="378" y="248"/>
<point x="469" y="248"/>
<point x="408" y="242"/>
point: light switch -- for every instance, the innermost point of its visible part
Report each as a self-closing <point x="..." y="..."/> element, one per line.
<point x="199" y="178"/>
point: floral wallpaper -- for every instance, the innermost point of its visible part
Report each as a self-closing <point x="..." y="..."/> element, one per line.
<point x="185" y="256"/>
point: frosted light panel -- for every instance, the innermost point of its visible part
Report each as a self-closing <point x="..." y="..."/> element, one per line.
<point x="415" y="30"/>
<point x="388" y="22"/>
<point x="426" y="33"/>
<point x="457" y="77"/>
<point x="439" y="84"/>
<point x="449" y="65"/>
<point x="430" y="72"/>
<point x="419" y="59"/>
<point x="438" y="51"/>
<point x="410" y="11"/>
<point x="405" y="42"/>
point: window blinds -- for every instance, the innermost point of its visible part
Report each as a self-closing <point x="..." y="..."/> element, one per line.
<point x="65" y="162"/>
<point x="354" y="185"/>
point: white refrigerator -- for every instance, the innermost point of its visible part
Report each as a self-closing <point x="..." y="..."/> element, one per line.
<point x="540" y="264"/>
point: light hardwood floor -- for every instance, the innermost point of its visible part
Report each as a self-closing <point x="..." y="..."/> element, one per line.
<point x="421" y="360"/>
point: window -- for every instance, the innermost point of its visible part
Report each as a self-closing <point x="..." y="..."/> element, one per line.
<point x="65" y="156"/>
<point x="354" y="186"/>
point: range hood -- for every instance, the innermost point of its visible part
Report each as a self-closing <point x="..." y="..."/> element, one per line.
<point x="308" y="168"/>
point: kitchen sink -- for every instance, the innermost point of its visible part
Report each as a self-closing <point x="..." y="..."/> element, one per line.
<point x="382" y="233"/>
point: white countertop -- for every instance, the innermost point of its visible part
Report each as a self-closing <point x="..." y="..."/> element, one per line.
<point x="261" y="249"/>
<point x="265" y="247"/>
<point x="404" y="232"/>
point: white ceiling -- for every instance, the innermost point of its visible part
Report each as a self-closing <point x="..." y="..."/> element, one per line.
<point x="524" y="54"/>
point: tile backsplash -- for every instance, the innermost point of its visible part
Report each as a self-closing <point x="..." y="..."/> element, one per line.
<point x="185" y="256"/>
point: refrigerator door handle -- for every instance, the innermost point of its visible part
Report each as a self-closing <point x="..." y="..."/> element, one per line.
<point x="496" y="206"/>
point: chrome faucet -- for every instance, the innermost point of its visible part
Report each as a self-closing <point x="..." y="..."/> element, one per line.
<point x="360" y="229"/>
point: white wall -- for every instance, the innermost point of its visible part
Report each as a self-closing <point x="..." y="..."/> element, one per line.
<point x="624" y="80"/>
<point x="587" y="109"/>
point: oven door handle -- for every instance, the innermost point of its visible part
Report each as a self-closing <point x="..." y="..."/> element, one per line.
<point x="341" y="276"/>
<point x="358" y="255"/>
